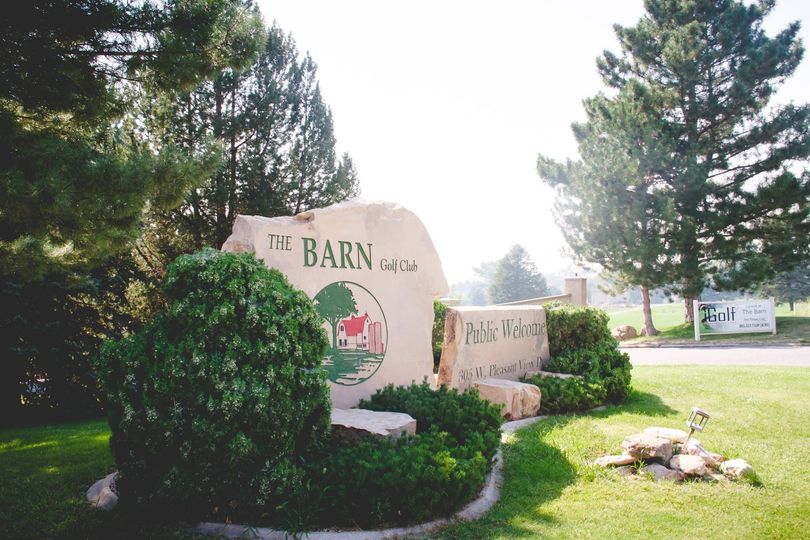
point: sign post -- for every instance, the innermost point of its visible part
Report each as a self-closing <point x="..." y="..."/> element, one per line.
<point x="696" y="319"/>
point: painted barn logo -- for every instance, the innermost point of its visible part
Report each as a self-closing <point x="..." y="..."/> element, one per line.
<point x="358" y="334"/>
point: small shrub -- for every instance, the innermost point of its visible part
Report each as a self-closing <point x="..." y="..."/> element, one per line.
<point x="374" y="482"/>
<point x="580" y="343"/>
<point x="572" y="327"/>
<point x="567" y="395"/>
<point x="215" y="403"/>
<point x="439" y="314"/>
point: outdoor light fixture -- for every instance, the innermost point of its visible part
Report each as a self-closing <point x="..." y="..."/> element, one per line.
<point x="696" y="421"/>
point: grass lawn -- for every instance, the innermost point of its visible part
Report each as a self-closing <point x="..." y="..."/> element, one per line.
<point x="550" y="490"/>
<point x="668" y="319"/>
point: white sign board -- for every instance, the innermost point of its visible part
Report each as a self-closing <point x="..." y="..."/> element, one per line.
<point x="737" y="317"/>
<point x="500" y="342"/>
<point x="373" y="273"/>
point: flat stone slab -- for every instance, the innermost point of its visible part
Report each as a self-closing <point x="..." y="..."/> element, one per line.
<point x="352" y="424"/>
<point x="646" y="446"/>
<point x="517" y="400"/>
<point x="674" y="435"/>
<point x="615" y="461"/>
<point x="101" y="495"/>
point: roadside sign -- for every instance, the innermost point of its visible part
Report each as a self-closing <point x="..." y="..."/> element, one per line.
<point x="735" y="317"/>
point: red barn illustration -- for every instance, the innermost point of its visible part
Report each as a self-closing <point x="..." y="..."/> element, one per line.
<point x="360" y="333"/>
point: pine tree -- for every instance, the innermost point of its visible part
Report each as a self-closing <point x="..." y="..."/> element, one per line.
<point x="516" y="278"/>
<point x="276" y="139"/>
<point x="789" y="286"/>
<point x="726" y="162"/>
<point x="76" y="176"/>
<point x="607" y="208"/>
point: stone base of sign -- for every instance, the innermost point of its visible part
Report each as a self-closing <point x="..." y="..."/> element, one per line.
<point x="101" y="494"/>
<point x="516" y="399"/>
<point x="353" y="424"/>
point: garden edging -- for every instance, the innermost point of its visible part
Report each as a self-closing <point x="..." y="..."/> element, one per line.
<point x="489" y="496"/>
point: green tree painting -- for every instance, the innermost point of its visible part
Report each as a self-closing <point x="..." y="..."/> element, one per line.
<point x="333" y="303"/>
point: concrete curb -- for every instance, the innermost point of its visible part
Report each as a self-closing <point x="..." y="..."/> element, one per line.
<point x="712" y="345"/>
<point x="486" y="500"/>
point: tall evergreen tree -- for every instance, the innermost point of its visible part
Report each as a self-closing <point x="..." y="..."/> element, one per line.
<point x="789" y="286"/>
<point x="72" y="188"/>
<point x="277" y="142"/>
<point x="516" y="278"/>
<point x="607" y="206"/>
<point x="726" y="160"/>
<point x="76" y="177"/>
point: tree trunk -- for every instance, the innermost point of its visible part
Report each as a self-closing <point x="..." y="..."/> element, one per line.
<point x="792" y="307"/>
<point x="649" y="328"/>
<point x="687" y="306"/>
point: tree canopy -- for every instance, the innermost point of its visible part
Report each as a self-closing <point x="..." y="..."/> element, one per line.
<point x="703" y="178"/>
<point x="73" y="187"/>
<point x="516" y="278"/>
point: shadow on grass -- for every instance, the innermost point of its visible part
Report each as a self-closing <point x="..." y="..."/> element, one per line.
<point x="538" y="471"/>
<point x="642" y="403"/>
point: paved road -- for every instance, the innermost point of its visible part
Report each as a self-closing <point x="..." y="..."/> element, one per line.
<point x="740" y="356"/>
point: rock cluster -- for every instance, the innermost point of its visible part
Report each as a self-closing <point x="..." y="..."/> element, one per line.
<point x="659" y="453"/>
<point x="623" y="332"/>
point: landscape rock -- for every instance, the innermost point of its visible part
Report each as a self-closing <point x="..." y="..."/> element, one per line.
<point x="626" y="470"/>
<point x="623" y="332"/>
<point x="737" y="469"/>
<point x="674" y="435"/>
<point x="378" y="254"/>
<point x="646" y="446"/>
<point x="661" y="473"/>
<point x="101" y="495"/>
<point x="353" y="424"/>
<point x="519" y="400"/>
<point x="615" y="461"/>
<point x="715" y="478"/>
<point x="694" y="448"/>
<point x="501" y="342"/>
<point x="689" y="465"/>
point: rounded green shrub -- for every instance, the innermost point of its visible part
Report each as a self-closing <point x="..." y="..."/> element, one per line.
<point x="580" y="343"/>
<point x="373" y="483"/>
<point x="216" y="403"/>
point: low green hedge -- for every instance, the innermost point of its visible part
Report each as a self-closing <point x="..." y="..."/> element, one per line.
<point x="373" y="483"/>
<point x="567" y="395"/>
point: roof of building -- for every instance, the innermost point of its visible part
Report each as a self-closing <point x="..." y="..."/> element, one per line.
<point x="354" y="325"/>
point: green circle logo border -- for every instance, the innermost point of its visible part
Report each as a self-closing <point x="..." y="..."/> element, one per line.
<point x="385" y="320"/>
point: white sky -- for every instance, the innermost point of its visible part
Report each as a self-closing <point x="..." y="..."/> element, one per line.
<point x="444" y="105"/>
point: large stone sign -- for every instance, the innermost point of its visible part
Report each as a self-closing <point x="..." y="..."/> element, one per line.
<point x="373" y="273"/>
<point x="500" y="342"/>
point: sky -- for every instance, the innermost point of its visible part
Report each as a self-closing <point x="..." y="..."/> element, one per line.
<point x="445" y="105"/>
